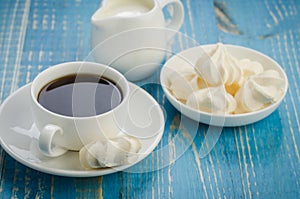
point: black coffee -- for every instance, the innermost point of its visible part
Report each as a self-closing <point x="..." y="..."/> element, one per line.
<point x="80" y="95"/>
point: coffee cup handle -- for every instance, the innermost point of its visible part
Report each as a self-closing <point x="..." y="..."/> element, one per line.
<point x="178" y="15"/>
<point x="46" y="145"/>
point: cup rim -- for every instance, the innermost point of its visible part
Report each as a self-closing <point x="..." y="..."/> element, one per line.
<point x="125" y="92"/>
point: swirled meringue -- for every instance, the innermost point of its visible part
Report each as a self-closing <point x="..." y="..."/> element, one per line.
<point x="108" y="153"/>
<point x="219" y="67"/>
<point x="183" y="83"/>
<point x="259" y="91"/>
<point x="212" y="100"/>
<point x="250" y="67"/>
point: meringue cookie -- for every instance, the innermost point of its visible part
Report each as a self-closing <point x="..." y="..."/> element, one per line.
<point x="259" y="91"/>
<point x="182" y="84"/>
<point x="250" y="68"/>
<point x="108" y="153"/>
<point x="219" y="67"/>
<point x="212" y="100"/>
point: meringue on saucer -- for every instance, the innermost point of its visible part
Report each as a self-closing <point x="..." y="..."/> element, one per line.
<point x="110" y="152"/>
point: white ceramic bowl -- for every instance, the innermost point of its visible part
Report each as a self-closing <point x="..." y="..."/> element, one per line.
<point x="189" y="58"/>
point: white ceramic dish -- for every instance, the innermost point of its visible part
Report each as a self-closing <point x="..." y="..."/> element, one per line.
<point x="189" y="57"/>
<point x="18" y="134"/>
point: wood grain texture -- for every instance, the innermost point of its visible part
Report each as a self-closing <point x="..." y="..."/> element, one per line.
<point x="259" y="160"/>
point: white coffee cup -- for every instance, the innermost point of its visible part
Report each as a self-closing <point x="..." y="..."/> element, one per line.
<point x="60" y="133"/>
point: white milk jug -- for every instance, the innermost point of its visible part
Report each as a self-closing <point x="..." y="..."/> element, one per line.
<point x="132" y="35"/>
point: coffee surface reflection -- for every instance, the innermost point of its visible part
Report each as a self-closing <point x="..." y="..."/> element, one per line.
<point x="80" y="95"/>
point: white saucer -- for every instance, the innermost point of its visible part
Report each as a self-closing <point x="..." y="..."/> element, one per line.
<point x="18" y="134"/>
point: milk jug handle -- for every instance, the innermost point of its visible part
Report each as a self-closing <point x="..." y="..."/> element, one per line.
<point x="177" y="13"/>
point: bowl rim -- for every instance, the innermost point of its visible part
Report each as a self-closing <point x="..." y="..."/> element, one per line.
<point x="225" y="116"/>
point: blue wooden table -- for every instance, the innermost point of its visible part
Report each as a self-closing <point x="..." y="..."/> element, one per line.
<point x="260" y="160"/>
